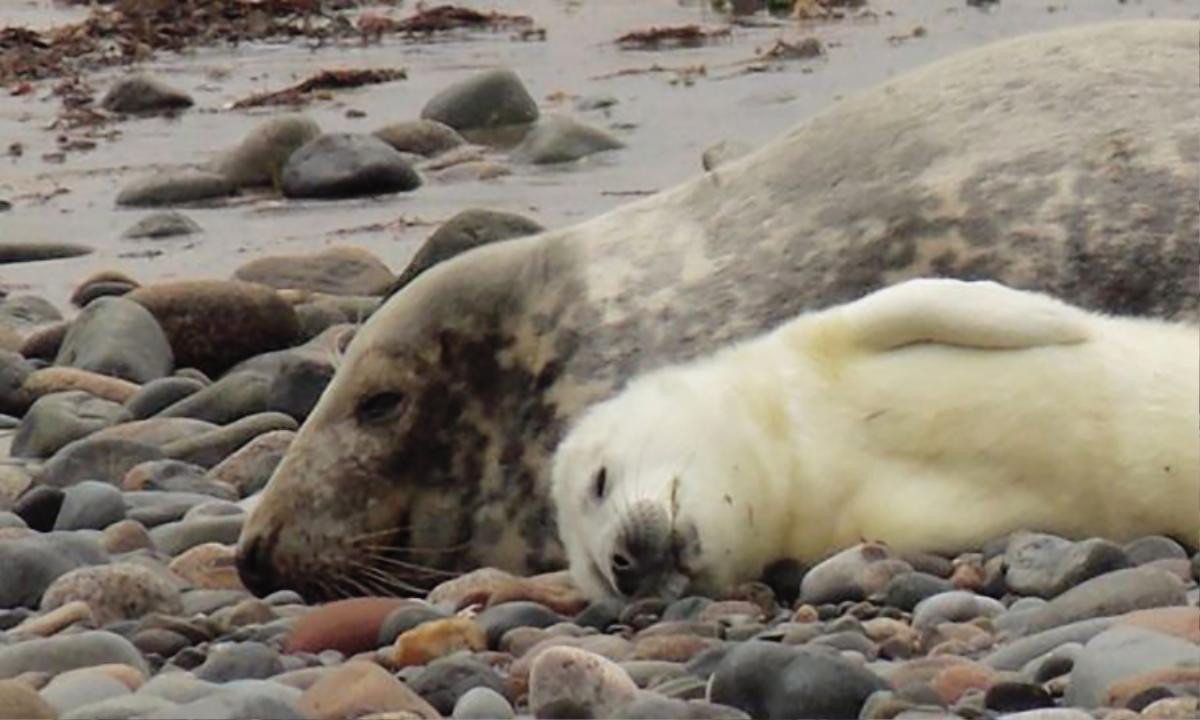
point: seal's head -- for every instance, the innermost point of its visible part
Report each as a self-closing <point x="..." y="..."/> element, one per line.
<point x="385" y="489"/>
<point x="659" y="491"/>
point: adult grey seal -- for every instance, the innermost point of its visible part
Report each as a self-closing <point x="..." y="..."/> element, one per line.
<point x="932" y="416"/>
<point x="1065" y="162"/>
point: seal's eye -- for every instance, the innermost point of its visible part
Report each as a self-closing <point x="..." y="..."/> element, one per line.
<point x="381" y="406"/>
<point x="600" y="483"/>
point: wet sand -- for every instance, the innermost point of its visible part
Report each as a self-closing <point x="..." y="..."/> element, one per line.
<point x="665" y="123"/>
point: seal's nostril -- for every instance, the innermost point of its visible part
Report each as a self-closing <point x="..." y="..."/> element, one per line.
<point x="254" y="567"/>
<point x="625" y="573"/>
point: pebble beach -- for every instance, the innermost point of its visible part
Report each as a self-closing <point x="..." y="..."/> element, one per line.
<point x="196" y="217"/>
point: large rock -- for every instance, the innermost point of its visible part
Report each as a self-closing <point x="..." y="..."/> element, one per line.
<point x="19" y="701"/>
<point x="560" y="139"/>
<point x="493" y="98"/>
<point x="338" y="271"/>
<point x="259" y="159"/>
<point x="468" y="229"/>
<point x="173" y="187"/>
<point x="118" y="337"/>
<point x="60" y="418"/>
<point x="344" y="165"/>
<point x="214" y="324"/>
<point x="1046" y="566"/>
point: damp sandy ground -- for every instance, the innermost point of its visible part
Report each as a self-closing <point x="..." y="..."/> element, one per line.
<point x="666" y="123"/>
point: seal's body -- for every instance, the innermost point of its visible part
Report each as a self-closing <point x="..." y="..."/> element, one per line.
<point x="934" y="415"/>
<point x="429" y="451"/>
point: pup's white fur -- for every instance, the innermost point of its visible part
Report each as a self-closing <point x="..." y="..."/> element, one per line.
<point x="932" y="415"/>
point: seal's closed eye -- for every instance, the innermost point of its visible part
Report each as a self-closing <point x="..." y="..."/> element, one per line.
<point x="600" y="483"/>
<point x="380" y="407"/>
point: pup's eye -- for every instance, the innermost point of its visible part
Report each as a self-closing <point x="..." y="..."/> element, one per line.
<point x="600" y="483"/>
<point x="381" y="406"/>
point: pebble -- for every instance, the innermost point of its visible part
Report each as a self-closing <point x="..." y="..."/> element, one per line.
<point x="490" y="99"/>
<point x="38" y="509"/>
<point x="125" y="707"/>
<point x="90" y="505"/>
<point x="29" y="565"/>
<point x="427" y="138"/>
<point x="174" y="187"/>
<point x="349" y="626"/>
<point x="953" y="606"/>
<point x="144" y="94"/>
<point x="357" y="689"/>
<point x="60" y="379"/>
<point x="1047" y="566"/>
<point x="570" y="682"/>
<point x="853" y="574"/>
<point x="14" y="370"/>
<point x="906" y="590"/>
<point x="240" y="661"/>
<point x="768" y="680"/>
<point x="120" y="591"/>
<point x="405" y="618"/>
<point x="499" y="619"/>
<point x="57" y="419"/>
<point x="259" y="159"/>
<point x="208" y="566"/>
<point x="1120" y="653"/>
<point x="1113" y="593"/>
<point x="59" y="654"/>
<point x="234" y="396"/>
<point x="96" y="458"/>
<point x="468" y="229"/>
<point x="118" y="337"/>
<point x="158" y="394"/>
<point x="162" y="224"/>
<point x="339" y="270"/>
<point x="50" y="623"/>
<point x="210" y="448"/>
<point x="447" y="679"/>
<point x="18" y="701"/>
<point x="77" y="688"/>
<point x="214" y="324"/>
<point x="561" y="139"/>
<point x="244" y="699"/>
<point x="482" y="703"/>
<point x="177" y="537"/>
<point x="434" y="639"/>
<point x="345" y="165"/>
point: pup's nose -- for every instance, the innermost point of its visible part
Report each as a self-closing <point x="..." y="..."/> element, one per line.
<point x="254" y="567"/>
<point x="626" y="573"/>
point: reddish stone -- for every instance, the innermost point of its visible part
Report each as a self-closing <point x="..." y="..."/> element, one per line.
<point x="348" y="626"/>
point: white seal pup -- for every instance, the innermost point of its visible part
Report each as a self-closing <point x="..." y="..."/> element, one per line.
<point x="932" y="415"/>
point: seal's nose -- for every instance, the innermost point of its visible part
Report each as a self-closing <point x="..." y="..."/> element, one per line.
<point x="255" y="568"/>
<point x="625" y="572"/>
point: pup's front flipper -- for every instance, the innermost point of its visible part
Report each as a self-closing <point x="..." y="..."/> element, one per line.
<point x="975" y="314"/>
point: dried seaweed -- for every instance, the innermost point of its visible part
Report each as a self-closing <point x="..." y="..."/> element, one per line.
<point x="657" y="38"/>
<point x="301" y="92"/>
